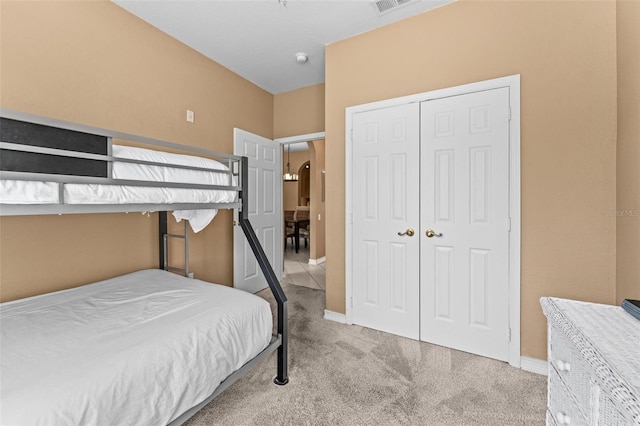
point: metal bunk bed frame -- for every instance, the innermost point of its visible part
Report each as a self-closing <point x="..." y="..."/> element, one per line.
<point x="238" y="167"/>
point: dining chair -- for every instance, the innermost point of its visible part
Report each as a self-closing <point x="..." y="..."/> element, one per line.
<point x="301" y="213"/>
<point x="289" y="230"/>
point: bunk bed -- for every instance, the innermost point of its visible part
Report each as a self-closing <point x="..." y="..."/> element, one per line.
<point x="149" y="347"/>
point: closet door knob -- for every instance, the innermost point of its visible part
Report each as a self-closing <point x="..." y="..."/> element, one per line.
<point x="431" y="233"/>
<point x="410" y="232"/>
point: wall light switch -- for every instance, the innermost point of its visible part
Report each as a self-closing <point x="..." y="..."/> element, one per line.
<point x="190" y="116"/>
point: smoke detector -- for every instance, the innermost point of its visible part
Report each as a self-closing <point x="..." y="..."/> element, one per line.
<point x="386" y="6"/>
<point x="302" y="58"/>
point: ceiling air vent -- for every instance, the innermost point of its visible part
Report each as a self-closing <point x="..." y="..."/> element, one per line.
<point x="386" y="6"/>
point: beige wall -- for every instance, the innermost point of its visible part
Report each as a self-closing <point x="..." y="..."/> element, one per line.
<point x="299" y="112"/>
<point x="565" y="53"/>
<point x="96" y="64"/>
<point x="628" y="165"/>
<point x="317" y="213"/>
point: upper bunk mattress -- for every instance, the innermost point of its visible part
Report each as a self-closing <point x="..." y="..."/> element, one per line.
<point x="38" y="192"/>
<point x="137" y="349"/>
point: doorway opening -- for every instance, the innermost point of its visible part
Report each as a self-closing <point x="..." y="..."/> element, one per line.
<point x="303" y="198"/>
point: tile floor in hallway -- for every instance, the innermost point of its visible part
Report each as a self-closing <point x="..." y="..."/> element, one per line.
<point x="298" y="271"/>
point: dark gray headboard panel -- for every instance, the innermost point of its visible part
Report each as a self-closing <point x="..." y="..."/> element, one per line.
<point x="21" y="132"/>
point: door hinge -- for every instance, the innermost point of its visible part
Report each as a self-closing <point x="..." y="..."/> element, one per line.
<point x="509" y="113"/>
<point x="351" y="302"/>
<point x="509" y="224"/>
<point x="509" y="335"/>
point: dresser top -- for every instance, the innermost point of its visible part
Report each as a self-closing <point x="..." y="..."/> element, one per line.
<point x="607" y="337"/>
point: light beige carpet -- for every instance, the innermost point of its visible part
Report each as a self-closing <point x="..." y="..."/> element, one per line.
<point x="350" y="375"/>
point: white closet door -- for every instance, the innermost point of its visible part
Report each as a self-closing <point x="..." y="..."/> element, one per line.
<point x="265" y="210"/>
<point x="465" y="197"/>
<point x="385" y="203"/>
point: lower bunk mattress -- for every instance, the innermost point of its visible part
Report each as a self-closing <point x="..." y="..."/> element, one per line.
<point x="137" y="349"/>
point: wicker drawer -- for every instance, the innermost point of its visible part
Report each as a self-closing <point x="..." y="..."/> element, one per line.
<point x="571" y="368"/>
<point x="594" y="359"/>
<point x="562" y="402"/>
<point x="606" y="412"/>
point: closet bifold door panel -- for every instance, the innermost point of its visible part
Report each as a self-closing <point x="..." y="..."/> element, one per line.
<point x="430" y="220"/>
<point x="464" y="290"/>
<point x="386" y="193"/>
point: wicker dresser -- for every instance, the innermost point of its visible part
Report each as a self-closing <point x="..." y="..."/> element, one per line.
<point x="594" y="364"/>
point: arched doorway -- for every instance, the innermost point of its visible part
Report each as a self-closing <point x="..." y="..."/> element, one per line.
<point x="304" y="184"/>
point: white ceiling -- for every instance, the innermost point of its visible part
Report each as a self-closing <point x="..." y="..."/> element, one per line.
<point x="258" y="39"/>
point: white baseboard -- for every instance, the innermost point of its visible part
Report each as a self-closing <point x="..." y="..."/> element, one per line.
<point x="534" y="365"/>
<point x="335" y="316"/>
<point x="317" y="261"/>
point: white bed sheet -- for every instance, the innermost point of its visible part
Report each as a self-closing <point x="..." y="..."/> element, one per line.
<point x="32" y="192"/>
<point x="26" y="192"/>
<point x="134" y="350"/>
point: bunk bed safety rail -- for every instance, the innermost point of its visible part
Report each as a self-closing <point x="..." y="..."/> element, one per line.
<point x="52" y="167"/>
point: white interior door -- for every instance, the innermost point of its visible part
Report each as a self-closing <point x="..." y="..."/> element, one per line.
<point x="386" y="193"/>
<point x="265" y="210"/>
<point x="465" y="197"/>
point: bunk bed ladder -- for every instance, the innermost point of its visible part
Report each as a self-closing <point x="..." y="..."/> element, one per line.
<point x="282" y="377"/>
<point x="164" y="244"/>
